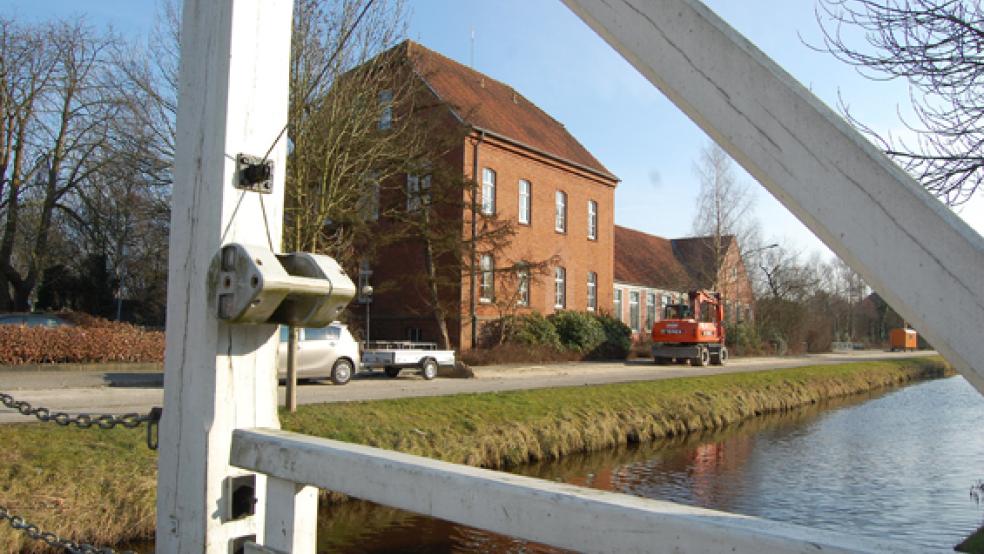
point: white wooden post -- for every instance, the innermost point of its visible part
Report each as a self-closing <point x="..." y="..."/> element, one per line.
<point x="924" y="260"/>
<point x="218" y="377"/>
<point x="290" y="522"/>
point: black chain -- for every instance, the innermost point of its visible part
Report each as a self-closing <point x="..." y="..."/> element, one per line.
<point x="19" y="524"/>
<point x="86" y="421"/>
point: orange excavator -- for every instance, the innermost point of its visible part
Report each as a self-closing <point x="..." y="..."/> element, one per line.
<point x="692" y="332"/>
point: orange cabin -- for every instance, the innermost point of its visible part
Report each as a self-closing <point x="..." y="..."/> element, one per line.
<point x="902" y="339"/>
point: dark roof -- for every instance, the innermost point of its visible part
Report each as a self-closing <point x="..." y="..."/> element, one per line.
<point x="697" y="256"/>
<point x="669" y="264"/>
<point x="648" y="260"/>
<point x="485" y="103"/>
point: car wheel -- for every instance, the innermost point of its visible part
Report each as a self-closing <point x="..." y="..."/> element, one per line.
<point x="392" y="372"/>
<point x="428" y="369"/>
<point x="341" y="372"/>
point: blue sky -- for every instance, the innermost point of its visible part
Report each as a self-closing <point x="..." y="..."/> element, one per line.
<point x="547" y="54"/>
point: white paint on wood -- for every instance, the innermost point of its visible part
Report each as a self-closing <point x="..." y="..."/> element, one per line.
<point x="232" y="99"/>
<point x="291" y="517"/>
<point x="920" y="257"/>
<point x="567" y="516"/>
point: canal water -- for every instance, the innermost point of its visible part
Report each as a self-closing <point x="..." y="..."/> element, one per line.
<point x="897" y="464"/>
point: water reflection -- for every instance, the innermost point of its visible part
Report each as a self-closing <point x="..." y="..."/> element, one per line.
<point x="897" y="464"/>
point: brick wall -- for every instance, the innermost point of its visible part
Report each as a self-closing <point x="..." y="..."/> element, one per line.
<point x="539" y="240"/>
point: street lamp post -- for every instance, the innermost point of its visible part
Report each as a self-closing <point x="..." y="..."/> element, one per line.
<point x="367" y="299"/>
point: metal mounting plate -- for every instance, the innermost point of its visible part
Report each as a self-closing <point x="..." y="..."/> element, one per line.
<point x="254" y="174"/>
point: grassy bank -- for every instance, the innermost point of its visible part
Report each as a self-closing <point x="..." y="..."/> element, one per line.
<point x="102" y="482"/>
<point x="973" y="544"/>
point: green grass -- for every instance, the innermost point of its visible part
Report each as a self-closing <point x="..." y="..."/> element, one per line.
<point x="973" y="544"/>
<point x="99" y="486"/>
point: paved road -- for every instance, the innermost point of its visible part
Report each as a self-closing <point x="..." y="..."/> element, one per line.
<point x="120" y="392"/>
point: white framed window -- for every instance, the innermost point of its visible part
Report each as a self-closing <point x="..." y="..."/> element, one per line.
<point x="523" y="286"/>
<point x="634" y="310"/>
<point x="592" y="291"/>
<point x="524" y="202"/>
<point x="650" y="309"/>
<point x="617" y="304"/>
<point x="385" y="109"/>
<point x="560" y="218"/>
<point x="488" y="191"/>
<point x="560" y="287"/>
<point x="418" y="191"/>
<point x="486" y="290"/>
<point x="592" y="220"/>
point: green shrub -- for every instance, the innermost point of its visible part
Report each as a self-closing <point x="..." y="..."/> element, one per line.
<point x="618" y="339"/>
<point x="742" y="338"/>
<point x="578" y="331"/>
<point x="523" y="330"/>
<point x="532" y="330"/>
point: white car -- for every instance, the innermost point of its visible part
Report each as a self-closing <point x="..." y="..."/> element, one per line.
<point x="322" y="352"/>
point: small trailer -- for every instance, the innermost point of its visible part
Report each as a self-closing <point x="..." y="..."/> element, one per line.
<point x="903" y="339"/>
<point x="394" y="356"/>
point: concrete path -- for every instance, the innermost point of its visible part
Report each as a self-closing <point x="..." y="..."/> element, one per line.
<point x="121" y="392"/>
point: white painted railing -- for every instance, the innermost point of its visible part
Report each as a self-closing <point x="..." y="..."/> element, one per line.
<point x="557" y="514"/>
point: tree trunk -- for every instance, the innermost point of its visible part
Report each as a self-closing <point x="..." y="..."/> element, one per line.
<point x="438" y="310"/>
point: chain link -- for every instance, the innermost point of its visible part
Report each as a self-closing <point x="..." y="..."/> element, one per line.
<point x="19" y="524"/>
<point x="87" y="421"/>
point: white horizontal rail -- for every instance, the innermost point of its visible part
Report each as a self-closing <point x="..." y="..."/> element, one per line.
<point x="566" y="516"/>
<point x="920" y="257"/>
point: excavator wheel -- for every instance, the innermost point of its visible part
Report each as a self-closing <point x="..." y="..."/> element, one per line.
<point x="720" y="357"/>
<point x="702" y="359"/>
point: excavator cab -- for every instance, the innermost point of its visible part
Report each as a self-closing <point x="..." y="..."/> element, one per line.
<point x="677" y="311"/>
<point x="692" y="332"/>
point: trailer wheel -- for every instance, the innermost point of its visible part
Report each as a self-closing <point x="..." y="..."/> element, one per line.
<point x="341" y="372"/>
<point x="392" y="372"/>
<point x="428" y="368"/>
<point x="703" y="357"/>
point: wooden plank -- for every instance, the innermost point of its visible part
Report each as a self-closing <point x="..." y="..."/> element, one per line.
<point x="291" y="517"/>
<point x="917" y="254"/>
<point x="217" y="377"/>
<point x="566" y="516"/>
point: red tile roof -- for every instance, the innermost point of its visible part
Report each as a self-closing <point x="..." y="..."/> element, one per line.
<point x="485" y="103"/>
<point x="669" y="264"/>
<point x="648" y="260"/>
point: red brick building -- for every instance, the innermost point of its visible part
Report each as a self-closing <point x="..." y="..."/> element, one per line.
<point x="651" y="272"/>
<point x="529" y="170"/>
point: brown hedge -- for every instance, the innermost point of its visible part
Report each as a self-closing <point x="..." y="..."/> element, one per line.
<point x="93" y="340"/>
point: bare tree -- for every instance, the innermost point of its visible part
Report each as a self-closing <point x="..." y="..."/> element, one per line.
<point x="62" y="117"/>
<point x="784" y="276"/>
<point x="935" y="45"/>
<point x="724" y="209"/>
<point x="343" y="145"/>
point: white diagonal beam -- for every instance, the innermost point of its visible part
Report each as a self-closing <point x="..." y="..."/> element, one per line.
<point x="920" y="257"/>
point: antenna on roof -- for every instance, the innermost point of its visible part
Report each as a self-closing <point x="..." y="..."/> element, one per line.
<point x="471" y="57"/>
